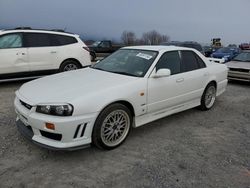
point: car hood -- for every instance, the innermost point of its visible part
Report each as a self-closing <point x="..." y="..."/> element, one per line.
<point x="68" y="86"/>
<point x="238" y="64"/>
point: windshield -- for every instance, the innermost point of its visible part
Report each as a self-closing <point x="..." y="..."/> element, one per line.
<point x="245" y="57"/>
<point x="96" y="43"/>
<point x="224" y="50"/>
<point x="130" y="62"/>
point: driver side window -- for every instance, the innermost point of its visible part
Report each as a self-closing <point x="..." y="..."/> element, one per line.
<point x="170" y="60"/>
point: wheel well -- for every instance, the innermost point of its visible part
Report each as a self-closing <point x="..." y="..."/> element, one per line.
<point x="72" y="59"/>
<point x="214" y="83"/>
<point x="127" y="104"/>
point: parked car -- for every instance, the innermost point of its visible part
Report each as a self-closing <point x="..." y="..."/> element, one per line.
<point x="27" y="53"/>
<point x="208" y="50"/>
<point x="102" y="49"/>
<point x="131" y="87"/>
<point x="226" y="53"/>
<point x="244" y="46"/>
<point x="188" y="44"/>
<point x="239" y="67"/>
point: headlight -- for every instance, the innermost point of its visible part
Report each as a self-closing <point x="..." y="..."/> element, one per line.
<point x="56" y="110"/>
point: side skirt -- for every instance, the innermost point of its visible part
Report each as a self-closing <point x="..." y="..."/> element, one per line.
<point x="144" y="119"/>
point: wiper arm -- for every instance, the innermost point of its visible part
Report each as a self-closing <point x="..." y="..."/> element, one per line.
<point x="123" y="73"/>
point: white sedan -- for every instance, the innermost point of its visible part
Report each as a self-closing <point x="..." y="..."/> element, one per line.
<point x="100" y="104"/>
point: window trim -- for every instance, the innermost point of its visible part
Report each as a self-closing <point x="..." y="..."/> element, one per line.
<point x="19" y="33"/>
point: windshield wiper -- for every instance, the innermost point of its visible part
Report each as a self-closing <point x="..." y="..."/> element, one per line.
<point x="123" y="73"/>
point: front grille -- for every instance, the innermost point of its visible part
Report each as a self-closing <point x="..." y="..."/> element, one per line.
<point x="53" y="136"/>
<point x="25" y="105"/>
<point x="239" y="70"/>
<point x="80" y="130"/>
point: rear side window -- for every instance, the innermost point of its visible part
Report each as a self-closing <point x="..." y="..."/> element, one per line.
<point x="201" y="63"/>
<point x="11" y="41"/>
<point x="37" y="40"/>
<point x="189" y="61"/>
<point x="171" y="61"/>
<point x="60" y="40"/>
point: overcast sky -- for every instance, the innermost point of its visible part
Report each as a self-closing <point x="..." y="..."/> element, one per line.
<point x="198" y="20"/>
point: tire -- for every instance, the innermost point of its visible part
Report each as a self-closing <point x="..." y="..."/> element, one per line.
<point x="208" y="97"/>
<point x="112" y="127"/>
<point x="69" y="65"/>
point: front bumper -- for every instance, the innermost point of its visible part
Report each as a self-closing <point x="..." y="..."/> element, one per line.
<point x="70" y="133"/>
<point x="237" y="75"/>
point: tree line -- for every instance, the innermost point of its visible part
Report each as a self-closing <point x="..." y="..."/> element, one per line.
<point x="153" y="37"/>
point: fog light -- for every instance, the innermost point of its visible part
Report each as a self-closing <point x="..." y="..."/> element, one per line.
<point x="50" y="126"/>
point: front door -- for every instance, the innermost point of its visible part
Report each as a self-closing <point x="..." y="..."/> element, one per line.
<point x="13" y="56"/>
<point x="166" y="92"/>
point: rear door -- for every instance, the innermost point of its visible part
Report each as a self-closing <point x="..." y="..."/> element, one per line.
<point x="41" y="53"/>
<point x="194" y="74"/>
<point x="13" y="55"/>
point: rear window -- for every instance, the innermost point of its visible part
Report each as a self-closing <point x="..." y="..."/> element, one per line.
<point x="60" y="40"/>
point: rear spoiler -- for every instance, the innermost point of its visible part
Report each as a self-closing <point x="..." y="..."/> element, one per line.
<point x="216" y="60"/>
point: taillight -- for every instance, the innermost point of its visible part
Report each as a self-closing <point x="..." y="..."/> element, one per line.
<point x="86" y="48"/>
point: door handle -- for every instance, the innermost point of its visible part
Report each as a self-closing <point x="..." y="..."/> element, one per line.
<point x="180" y="80"/>
<point x="53" y="52"/>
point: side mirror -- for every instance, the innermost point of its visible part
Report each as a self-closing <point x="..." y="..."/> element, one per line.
<point x="161" y="73"/>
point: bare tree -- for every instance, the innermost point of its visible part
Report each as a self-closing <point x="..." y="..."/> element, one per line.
<point x="128" y="38"/>
<point x="153" y="38"/>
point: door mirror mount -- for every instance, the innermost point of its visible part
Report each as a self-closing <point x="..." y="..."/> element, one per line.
<point x="161" y="73"/>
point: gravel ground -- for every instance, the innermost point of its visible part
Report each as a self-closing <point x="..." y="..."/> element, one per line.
<point x="189" y="149"/>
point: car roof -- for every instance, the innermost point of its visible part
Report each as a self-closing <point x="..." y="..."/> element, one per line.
<point x="37" y="31"/>
<point x="158" y="48"/>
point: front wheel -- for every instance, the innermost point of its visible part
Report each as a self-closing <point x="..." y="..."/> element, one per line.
<point x="208" y="97"/>
<point x="112" y="127"/>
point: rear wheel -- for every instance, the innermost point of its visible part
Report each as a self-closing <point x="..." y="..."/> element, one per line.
<point x="208" y="98"/>
<point x="69" y="65"/>
<point x="112" y="127"/>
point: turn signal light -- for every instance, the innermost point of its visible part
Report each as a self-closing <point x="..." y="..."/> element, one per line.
<point x="50" y="126"/>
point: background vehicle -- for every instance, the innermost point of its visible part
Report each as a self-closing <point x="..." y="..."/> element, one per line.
<point x="244" y="46"/>
<point x="102" y="49"/>
<point x="131" y="87"/>
<point x="28" y="53"/>
<point x="188" y="44"/>
<point x="226" y="53"/>
<point x="208" y="50"/>
<point x="216" y="43"/>
<point x="239" y="67"/>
